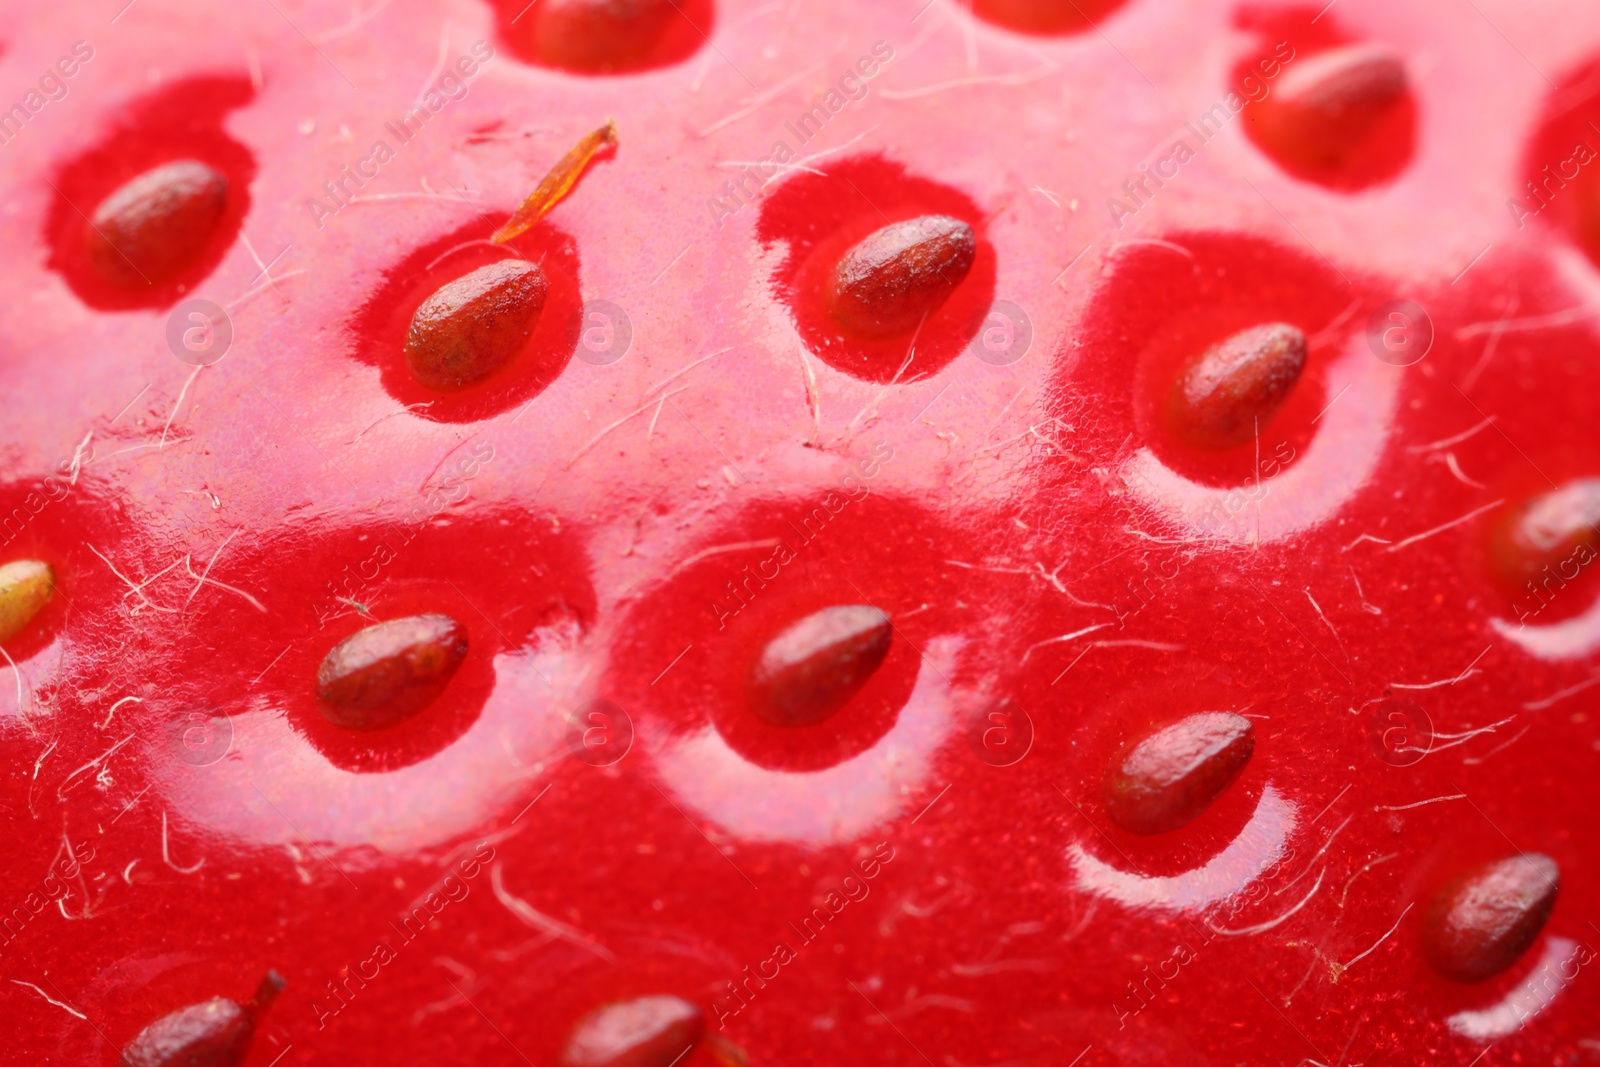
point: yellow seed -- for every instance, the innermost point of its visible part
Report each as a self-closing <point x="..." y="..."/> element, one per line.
<point x="26" y="586"/>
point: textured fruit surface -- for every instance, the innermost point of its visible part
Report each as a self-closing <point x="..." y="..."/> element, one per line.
<point x="800" y="634"/>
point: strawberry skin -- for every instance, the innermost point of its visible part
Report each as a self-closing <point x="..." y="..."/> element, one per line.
<point x="999" y="533"/>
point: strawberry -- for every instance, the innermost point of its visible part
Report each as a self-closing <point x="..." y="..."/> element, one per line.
<point x="1009" y="532"/>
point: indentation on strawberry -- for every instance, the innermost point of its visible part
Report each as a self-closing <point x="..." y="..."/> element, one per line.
<point x="1162" y="311"/>
<point x="1170" y="783"/>
<point x="605" y="36"/>
<point x="1543" y="546"/>
<point x="1338" y="112"/>
<point x="1164" y="302"/>
<point x="59" y="525"/>
<point x="149" y="212"/>
<point x="320" y="588"/>
<point x="823" y="218"/>
<point x="381" y="328"/>
<point x="773" y="565"/>
<point x="733" y="607"/>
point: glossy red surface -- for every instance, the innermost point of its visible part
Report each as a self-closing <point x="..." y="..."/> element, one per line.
<point x="684" y="461"/>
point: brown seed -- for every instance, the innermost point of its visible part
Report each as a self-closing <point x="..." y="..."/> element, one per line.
<point x="1170" y="777"/>
<point x="644" y="1032"/>
<point x="26" y="586"/>
<point x="1043" y="16"/>
<point x="214" y="1033"/>
<point x="390" y="671"/>
<point x="597" y="36"/>
<point x="157" y="225"/>
<point x="1555" y="531"/>
<point x="1237" y="385"/>
<point x="1481" y="924"/>
<point x="475" y="325"/>
<point x="811" y="669"/>
<point x="895" y="277"/>
<point x="1324" y="105"/>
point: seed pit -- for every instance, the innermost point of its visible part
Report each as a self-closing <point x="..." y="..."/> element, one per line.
<point x="381" y="331"/>
<point x="1481" y="924"/>
<point x="1169" y="778"/>
<point x="147" y="214"/>
<point x="907" y="306"/>
<point x="1326" y="108"/>
<point x="1558" y="181"/>
<point x="1160" y="314"/>
<point x="1329" y="103"/>
<point x="1551" y="535"/>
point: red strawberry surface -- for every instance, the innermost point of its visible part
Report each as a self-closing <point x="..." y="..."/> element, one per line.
<point x="1016" y="533"/>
